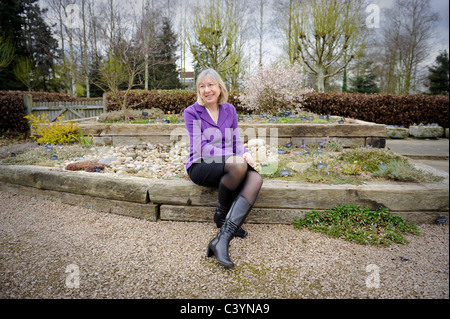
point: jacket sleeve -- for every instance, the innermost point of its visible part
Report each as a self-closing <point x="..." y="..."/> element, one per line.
<point x="238" y="146"/>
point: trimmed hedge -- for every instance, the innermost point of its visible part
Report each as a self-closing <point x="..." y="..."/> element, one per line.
<point x="166" y="100"/>
<point x="387" y="109"/>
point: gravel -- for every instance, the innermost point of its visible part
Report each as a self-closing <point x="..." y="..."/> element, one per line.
<point x="54" y="250"/>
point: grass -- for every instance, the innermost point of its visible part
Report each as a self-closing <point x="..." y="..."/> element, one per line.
<point x="359" y="225"/>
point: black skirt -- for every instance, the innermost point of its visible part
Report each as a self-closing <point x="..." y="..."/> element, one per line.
<point x="210" y="173"/>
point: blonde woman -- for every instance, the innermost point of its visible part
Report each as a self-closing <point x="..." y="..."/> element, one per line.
<point x="218" y="159"/>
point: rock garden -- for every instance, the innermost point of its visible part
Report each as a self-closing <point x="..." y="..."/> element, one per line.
<point x="319" y="160"/>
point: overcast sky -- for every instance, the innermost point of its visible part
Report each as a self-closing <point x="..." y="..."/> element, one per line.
<point x="273" y="47"/>
<point x="441" y="30"/>
<point x="439" y="43"/>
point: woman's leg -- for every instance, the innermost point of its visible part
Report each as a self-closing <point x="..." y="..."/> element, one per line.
<point x="235" y="218"/>
<point x="235" y="170"/>
<point x="251" y="186"/>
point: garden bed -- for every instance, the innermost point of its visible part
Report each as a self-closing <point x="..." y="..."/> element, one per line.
<point x="147" y="179"/>
<point x="326" y="162"/>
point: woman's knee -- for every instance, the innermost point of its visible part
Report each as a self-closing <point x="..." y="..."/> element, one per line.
<point x="236" y="165"/>
<point x="257" y="179"/>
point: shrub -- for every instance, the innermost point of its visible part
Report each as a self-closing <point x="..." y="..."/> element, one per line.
<point x="166" y="100"/>
<point x="53" y="133"/>
<point x="274" y="89"/>
<point x="402" y="171"/>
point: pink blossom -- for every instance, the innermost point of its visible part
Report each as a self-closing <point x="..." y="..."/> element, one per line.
<point x="273" y="89"/>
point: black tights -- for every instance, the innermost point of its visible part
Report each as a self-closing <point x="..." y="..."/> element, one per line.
<point x="238" y="178"/>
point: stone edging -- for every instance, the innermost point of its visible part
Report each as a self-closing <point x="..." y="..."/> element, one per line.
<point x="181" y="200"/>
<point x="352" y="133"/>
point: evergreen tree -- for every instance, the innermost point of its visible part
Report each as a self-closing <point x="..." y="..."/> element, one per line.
<point x="38" y="41"/>
<point x="365" y="83"/>
<point x="344" y="82"/>
<point x="22" y="22"/>
<point x="10" y="27"/>
<point x="166" y="74"/>
<point x="439" y="77"/>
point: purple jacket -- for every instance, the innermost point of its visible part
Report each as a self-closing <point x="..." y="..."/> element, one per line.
<point x="209" y="139"/>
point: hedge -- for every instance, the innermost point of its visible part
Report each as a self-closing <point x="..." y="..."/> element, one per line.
<point x="387" y="109"/>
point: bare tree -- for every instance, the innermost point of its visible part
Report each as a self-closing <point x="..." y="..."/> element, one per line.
<point x="216" y="37"/>
<point x="406" y="42"/>
<point x="328" y="35"/>
<point x="212" y="36"/>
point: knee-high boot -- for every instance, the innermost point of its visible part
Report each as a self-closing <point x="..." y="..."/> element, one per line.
<point x="224" y="202"/>
<point x="235" y="218"/>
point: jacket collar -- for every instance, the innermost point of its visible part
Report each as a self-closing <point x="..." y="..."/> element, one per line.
<point x="204" y="115"/>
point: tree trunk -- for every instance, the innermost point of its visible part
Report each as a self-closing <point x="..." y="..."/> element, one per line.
<point x="320" y="80"/>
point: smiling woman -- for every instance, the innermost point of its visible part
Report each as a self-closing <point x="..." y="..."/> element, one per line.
<point x="211" y="89"/>
<point x="221" y="162"/>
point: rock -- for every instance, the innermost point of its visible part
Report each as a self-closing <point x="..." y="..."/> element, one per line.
<point x="426" y="131"/>
<point x="108" y="160"/>
<point x="397" y="132"/>
<point x="132" y="155"/>
<point x="299" y="167"/>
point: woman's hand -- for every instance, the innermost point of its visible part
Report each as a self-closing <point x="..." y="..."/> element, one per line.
<point x="248" y="157"/>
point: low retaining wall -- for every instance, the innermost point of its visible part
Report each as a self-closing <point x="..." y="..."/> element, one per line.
<point x="351" y="133"/>
<point x="419" y="132"/>
<point x="182" y="200"/>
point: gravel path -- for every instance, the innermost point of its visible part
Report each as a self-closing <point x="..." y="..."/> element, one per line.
<point x="53" y="250"/>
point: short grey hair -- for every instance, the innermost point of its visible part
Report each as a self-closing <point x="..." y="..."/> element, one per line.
<point x="223" y="98"/>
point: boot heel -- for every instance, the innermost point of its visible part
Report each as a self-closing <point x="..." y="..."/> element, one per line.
<point x="209" y="253"/>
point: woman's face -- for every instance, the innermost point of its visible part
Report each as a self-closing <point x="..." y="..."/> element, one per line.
<point x="209" y="91"/>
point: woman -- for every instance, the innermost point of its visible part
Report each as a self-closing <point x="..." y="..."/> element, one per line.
<point x="218" y="159"/>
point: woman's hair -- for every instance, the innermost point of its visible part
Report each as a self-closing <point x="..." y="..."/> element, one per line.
<point x="223" y="98"/>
